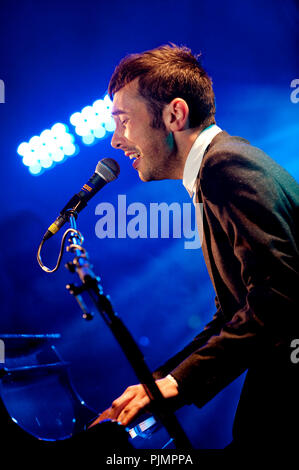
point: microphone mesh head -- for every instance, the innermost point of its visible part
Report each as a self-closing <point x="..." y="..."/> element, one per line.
<point x="108" y="169"/>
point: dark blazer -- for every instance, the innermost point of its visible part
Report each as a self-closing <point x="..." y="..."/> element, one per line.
<point x="250" y="246"/>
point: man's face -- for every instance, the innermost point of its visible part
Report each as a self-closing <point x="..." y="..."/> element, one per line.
<point x="153" y="151"/>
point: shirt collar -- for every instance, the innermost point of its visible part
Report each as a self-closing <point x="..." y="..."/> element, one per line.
<point x="195" y="156"/>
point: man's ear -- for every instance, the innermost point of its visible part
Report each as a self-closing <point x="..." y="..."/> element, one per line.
<point x="176" y="115"/>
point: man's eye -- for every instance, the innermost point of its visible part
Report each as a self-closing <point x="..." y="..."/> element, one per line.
<point x="123" y="123"/>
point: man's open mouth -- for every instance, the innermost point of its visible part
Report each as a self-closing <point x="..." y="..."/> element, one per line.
<point x="134" y="156"/>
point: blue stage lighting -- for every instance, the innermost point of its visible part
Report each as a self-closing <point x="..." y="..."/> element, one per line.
<point x="51" y="146"/>
<point x="35" y="169"/>
<point x="88" y="139"/>
<point x="93" y="122"/>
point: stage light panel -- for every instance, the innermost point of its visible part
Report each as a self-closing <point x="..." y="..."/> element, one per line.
<point x="51" y="146"/>
<point x="54" y="145"/>
<point x="93" y="122"/>
<point x="88" y="139"/>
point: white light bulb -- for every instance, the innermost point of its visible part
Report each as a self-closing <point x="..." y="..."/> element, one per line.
<point x="99" y="132"/>
<point x="76" y="119"/>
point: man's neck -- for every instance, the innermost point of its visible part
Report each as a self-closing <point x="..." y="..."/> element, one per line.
<point x="185" y="140"/>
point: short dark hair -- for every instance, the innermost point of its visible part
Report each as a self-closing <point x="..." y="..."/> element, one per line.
<point x="165" y="73"/>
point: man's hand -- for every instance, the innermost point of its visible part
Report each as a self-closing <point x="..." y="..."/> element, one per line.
<point x="134" y="400"/>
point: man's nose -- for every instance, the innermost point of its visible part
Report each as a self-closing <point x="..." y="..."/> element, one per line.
<point x="117" y="140"/>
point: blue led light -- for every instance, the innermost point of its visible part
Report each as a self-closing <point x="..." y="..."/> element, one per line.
<point x="54" y="145"/>
<point x="88" y="139"/>
<point x="35" y="168"/>
<point x="93" y="122"/>
<point x="51" y="146"/>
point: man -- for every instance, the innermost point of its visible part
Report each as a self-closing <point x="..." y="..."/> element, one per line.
<point x="164" y="111"/>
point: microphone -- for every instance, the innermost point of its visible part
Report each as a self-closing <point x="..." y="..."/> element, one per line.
<point x="106" y="170"/>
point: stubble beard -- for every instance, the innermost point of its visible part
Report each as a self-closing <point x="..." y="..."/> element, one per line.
<point x="167" y="169"/>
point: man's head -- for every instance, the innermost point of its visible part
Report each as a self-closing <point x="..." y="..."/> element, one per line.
<point x="163" y="91"/>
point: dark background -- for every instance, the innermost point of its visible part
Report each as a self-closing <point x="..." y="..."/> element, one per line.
<point x="57" y="57"/>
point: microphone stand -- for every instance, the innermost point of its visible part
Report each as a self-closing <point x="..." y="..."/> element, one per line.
<point x="90" y="284"/>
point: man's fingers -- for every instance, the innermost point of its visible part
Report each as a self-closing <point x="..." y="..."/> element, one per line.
<point x="134" y="400"/>
<point x="121" y="402"/>
<point x="132" y="410"/>
<point x="102" y="417"/>
<point x="117" y="407"/>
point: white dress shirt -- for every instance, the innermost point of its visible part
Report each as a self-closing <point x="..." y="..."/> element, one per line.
<point x="191" y="170"/>
<point x="192" y="167"/>
<point x="195" y="156"/>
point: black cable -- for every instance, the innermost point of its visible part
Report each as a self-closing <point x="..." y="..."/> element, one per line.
<point x="63" y="240"/>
